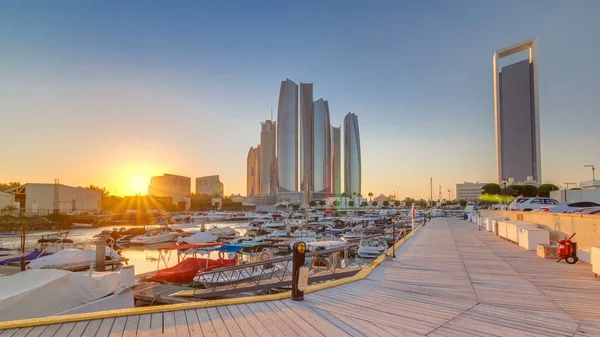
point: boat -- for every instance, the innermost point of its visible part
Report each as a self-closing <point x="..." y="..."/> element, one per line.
<point x="306" y="240"/>
<point x="28" y="258"/>
<point x="48" y="292"/>
<point x="70" y="257"/>
<point x="324" y="245"/>
<point x="198" y="237"/>
<point x="303" y="233"/>
<point x="371" y="248"/>
<point x="200" y="259"/>
<point x="277" y="233"/>
<point x="352" y="235"/>
<point x="154" y="236"/>
<point x="222" y="231"/>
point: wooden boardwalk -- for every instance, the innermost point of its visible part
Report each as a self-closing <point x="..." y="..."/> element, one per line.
<point x="448" y="280"/>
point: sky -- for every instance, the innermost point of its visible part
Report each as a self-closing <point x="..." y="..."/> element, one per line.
<point x="110" y="93"/>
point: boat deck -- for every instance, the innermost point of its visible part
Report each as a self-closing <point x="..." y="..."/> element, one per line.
<point x="448" y="280"/>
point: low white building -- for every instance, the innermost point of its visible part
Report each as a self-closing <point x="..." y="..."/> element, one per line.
<point x="468" y="190"/>
<point x="590" y="191"/>
<point x="44" y="199"/>
<point x="6" y="199"/>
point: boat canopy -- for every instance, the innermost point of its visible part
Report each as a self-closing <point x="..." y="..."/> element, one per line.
<point x="192" y="245"/>
<point x="238" y="246"/>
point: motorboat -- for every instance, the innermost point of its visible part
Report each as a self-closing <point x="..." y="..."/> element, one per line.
<point x="371" y="248"/>
<point x="217" y="216"/>
<point x="352" y="235"/>
<point x="277" y="233"/>
<point x="48" y="292"/>
<point x="222" y="231"/>
<point x="303" y="233"/>
<point x="306" y="240"/>
<point x="324" y="245"/>
<point x="82" y="225"/>
<point x="71" y="257"/>
<point x="198" y="237"/>
<point x="154" y="236"/>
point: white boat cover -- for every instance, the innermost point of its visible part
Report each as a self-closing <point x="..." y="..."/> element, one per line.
<point x="46" y="292"/>
<point x="199" y="237"/>
<point x="70" y="256"/>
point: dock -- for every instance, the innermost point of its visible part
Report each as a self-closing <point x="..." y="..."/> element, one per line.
<point x="448" y="279"/>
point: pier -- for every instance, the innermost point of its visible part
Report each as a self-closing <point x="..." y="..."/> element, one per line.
<point x="449" y="279"/>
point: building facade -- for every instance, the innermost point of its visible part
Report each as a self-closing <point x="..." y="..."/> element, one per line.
<point x="268" y="160"/>
<point x="321" y="149"/>
<point x="468" y="191"/>
<point x="336" y="160"/>
<point x="287" y="137"/>
<point x="210" y="185"/>
<point x="170" y="185"/>
<point x="253" y="171"/>
<point x="352" y="157"/>
<point x="43" y="199"/>
<point x="516" y="110"/>
<point x="306" y="136"/>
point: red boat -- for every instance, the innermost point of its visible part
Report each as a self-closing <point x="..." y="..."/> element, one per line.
<point x="188" y="267"/>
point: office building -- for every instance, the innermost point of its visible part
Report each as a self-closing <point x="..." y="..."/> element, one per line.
<point x="287" y="137"/>
<point x="268" y="160"/>
<point x="336" y="160"/>
<point x="469" y="191"/>
<point x="170" y="185"/>
<point x="321" y="149"/>
<point x="352" y="159"/>
<point x="253" y="171"/>
<point x="516" y="111"/>
<point x="306" y="136"/>
<point x="210" y="185"/>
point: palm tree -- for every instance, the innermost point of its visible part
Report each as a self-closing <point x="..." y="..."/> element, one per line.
<point x="370" y="196"/>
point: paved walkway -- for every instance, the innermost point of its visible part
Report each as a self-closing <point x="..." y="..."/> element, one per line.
<point x="448" y="280"/>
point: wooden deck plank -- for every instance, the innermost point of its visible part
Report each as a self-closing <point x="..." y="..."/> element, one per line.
<point x="243" y="322"/>
<point x="181" y="324"/>
<point x="78" y="329"/>
<point x="105" y="327"/>
<point x="217" y="322"/>
<point x="193" y="324"/>
<point x="131" y="326"/>
<point x="281" y="324"/>
<point x="156" y="325"/>
<point x="8" y="333"/>
<point x="92" y="328"/>
<point x="22" y="332"/>
<point x="144" y="326"/>
<point x="205" y="323"/>
<point x="169" y="328"/>
<point x="260" y="326"/>
<point x="230" y="323"/>
<point x="293" y="320"/>
<point x="37" y="331"/>
<point x="118" y="327"/>
<point x="65" y="329"/>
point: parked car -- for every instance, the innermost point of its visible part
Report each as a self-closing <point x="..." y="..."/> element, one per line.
<point x="569" y="207"/>
<point x="531" y="204"/>
<point x="589" y="210"/>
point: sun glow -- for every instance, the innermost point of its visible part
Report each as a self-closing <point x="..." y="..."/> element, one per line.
<point x="138" y="185"/>
<point x="130" y="180"/>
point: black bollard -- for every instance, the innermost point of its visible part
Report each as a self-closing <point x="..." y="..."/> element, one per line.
<point x="299" y="250"/>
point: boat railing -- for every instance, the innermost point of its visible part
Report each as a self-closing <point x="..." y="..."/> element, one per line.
<point x="272" y="270"/>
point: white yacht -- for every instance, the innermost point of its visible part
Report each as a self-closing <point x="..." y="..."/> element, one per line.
<point x="277" y="233"/>
<point x="222" y="231"/>
<point x="352" y="235"/>
<point x="199" y="237"/>
<point x="154" y="236"/>
<point x="303" y="233"/>
<point x="371" y="248"/>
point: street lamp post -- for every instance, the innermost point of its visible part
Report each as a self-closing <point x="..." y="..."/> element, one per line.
<point x="504" y="181"/>
<point x="566" y="188"/>
<point x="593" y="171"/>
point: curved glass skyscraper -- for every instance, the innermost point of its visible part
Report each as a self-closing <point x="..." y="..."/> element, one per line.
<point x="306" y="136"/>
<point x="352" y="161"/>
<point x="321" y="148"/>
<point x="287" y="137"/>
<point x="336" y="160"/>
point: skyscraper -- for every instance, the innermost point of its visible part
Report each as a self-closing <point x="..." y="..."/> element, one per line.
<point x="253" y="171"/>
<point x="516" y="111"/>
<point x="352" y="161"/>
<point x="336" y="160"/>
<point x="321" y="149"/>
<point x="287" y="137"/>
<point x="267" y="178"/>
<point x="306" y="136"/>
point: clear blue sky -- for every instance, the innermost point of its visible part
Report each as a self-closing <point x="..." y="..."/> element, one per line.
<point x="111" y="92"/>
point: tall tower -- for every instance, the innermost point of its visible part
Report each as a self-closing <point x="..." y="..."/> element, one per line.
<point x="352" y="160"/>
<point x="287" y="137"/>
<point x="267" y="178"/>
<point x="321" y="149"/>
<point x="306" y="136"/>
<point x="253" y="171"/>
<point x="517" y="116"/>
<point x="336" y="161"/>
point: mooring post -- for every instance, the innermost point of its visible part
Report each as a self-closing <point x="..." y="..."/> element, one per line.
<point x="100" y="254"/>
<point x="299" y="257"/>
